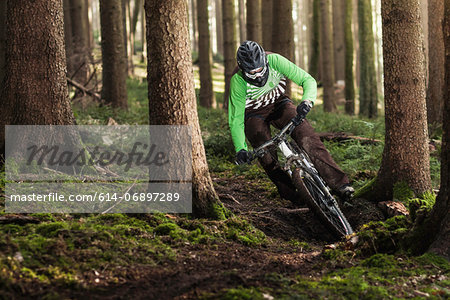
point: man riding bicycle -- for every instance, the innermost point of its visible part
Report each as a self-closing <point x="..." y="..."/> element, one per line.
<point x="257" y="99"/>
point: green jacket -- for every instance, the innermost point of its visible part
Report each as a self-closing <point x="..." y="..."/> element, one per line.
<point x="247" y="97"/>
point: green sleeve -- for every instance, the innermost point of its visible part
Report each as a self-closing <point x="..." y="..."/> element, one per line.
<point x="236" y="111"/>
<point x="296" y="74"/>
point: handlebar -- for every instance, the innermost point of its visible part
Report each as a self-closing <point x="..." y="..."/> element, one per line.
<point x="276" y="140"/>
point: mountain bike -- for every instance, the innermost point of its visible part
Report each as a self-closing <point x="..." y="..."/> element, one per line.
<point x="307" y="179"/>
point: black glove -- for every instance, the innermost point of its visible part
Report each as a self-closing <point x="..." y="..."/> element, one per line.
<point x="243" y="157"/>
<point x="304" y="108"/>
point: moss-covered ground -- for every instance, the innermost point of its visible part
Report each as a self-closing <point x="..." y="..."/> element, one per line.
<point x="268" y="249"/>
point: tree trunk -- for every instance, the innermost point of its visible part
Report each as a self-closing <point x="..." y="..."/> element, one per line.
<point x="136" y="13"/>
<point x="123" y="4"/>
<point x="171" y="89"/>
<point x="35" y="91"/>
<point x="144" y="44"/>
<point x="315" y="42"/>
<point x="338" y="39"/>
<point x="436" y="62"/>
<point x="435" y="230"/>
<point x="229" y="45"/>
<point x="2" y="42"/>
<point x="114" y="89"/>
<point x="368" y="80"/>
<point x="329" y="104"/>
<point x="267" y="23"/>
<point x="207" y="97"/>
<point x="349" y="77"/>
<point x="219" y="29"/>
<point x="242" y="21"/>
<point x="254" y="25"/>
<point x="283" y="32"/>
<point x="80" y="41"/>
<point x="194" y="25"/>
<point x="406" y="153"/>
<point x="88" y="25"/>
<point x="130" y="36"/>
<point x="67" y="36"/>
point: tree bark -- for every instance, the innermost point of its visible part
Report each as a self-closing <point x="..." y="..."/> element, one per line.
<point x="329" y="103"/>
<point x="229" y="45"/>
<point x="171" y="89"/>
<point x="254" y="25"/>
<point x="436" y="62"/>
<point x="67" y="36"/>
<point x="114" y="62"/>
<point x="283" y="32"/>
<point x="2" y="42"/>
<point x="314" y="65"/>
<point x="35" y="91"/>
<point x="406" y="153"/>
<point x="242" y="21"/>
<point x="338" y="9"/>
<point x="435" y="230"/>
<point x="349" y="77"/>
<point x="219" y="29"/>
<point x="80" y="41"/>
<point x="267" y="22"/>
<point x="207" y="97"/>
<point x="368" y="81"/>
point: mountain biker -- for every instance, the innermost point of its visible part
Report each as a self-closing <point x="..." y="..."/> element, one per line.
<point x="257" y="99"/>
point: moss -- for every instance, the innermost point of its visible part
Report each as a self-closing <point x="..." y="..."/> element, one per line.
<point x="219" y="212"/>
<point x="402" y="192"/>
<point x="384" y="237"/>
<point x="365" y="189"/>
<point x="380" y="261"/>
<point x="421" y="205"/>
<point x="166" y="228"/>
<point x="51" y="229"/>
<point x="241" y="293"/>
<point x="241" y="231"/>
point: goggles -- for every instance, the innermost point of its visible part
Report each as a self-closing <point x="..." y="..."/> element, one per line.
<point x="253" y="74"/>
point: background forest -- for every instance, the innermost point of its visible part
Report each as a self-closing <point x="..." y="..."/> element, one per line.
<point x="383" y="112"/>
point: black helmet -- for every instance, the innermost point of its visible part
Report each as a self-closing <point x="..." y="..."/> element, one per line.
<point x="252" y="60"/>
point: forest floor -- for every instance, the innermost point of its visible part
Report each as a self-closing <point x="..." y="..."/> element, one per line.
<point x="269" y="249"/>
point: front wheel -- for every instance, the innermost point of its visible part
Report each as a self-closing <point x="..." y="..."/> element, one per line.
<point x="322" y="204"/>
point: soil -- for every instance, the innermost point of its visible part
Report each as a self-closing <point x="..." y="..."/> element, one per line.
<point x="201" y="270"/>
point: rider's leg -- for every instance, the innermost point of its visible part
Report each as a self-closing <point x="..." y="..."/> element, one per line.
<point x="305" y="136"/>
<point x="257" y="131"/>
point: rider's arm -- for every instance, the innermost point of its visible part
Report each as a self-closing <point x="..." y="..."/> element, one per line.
<point x="296" y="74"/>
<point x="236" y="111"/>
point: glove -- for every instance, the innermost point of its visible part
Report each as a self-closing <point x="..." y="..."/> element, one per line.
<point x="304" y="108"/>
<point x="243" y="157"/>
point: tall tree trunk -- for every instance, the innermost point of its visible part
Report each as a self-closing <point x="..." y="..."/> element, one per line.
<point x="436" y="62"/>
<point x="329" y="103"/>
<point x="67" y="36"/>
<point x="349" y="78"/>
<point x="254" y="25"/>
<point x="229" y="45"/>
<point x="130" y="41"/>
<point x="80" y="41"/>
<point x="143" y="40"/>
<point x="171" y="89"/>
<point x="357" y="52"/>
<point x="242" y="21"/>
<point x="338" y="8"/>
<point x="114" y="89"/>
<point x="207" y="97"/>
<point x="406" y="154"/>
<point x="88" y="25"/>
<point x="314" y="65"/>
<point x="194" y="25"/>
<point x="136" y="14"/>
<point x="283" y="32"/>
<point x="219" y="27"/>
<point x="123" y="4"/>
<point x="2" y="42"/>
<point x="35" y="91"/>
<point x="435" y="230"/>
<point x="368" y="81"/>
<point x="267" y="22"/>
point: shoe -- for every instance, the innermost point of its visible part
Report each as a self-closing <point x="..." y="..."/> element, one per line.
<point x="346" y="191"/>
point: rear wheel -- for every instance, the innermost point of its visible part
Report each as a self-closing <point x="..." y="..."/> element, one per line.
<point x="321" y="203"/>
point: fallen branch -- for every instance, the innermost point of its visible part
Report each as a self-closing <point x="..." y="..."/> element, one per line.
<point x="83" y="89"/>
<point x="342" y="136"/>
<point x="230" y="197"/>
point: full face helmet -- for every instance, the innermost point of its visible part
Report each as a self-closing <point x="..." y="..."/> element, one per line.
<point x="252" y="60"/>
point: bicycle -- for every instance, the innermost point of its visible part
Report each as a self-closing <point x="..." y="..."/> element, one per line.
<point x="307" y="179"/>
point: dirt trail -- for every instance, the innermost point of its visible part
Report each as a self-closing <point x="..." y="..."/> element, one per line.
<point x="201" y="269"/>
